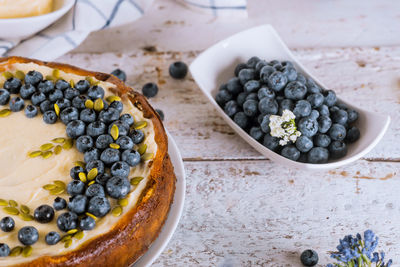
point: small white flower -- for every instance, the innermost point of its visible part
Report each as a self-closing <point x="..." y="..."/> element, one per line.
<point x="284" y="127"/>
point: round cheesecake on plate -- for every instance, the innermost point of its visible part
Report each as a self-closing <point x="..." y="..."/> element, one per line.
<point x="85" y="177"/>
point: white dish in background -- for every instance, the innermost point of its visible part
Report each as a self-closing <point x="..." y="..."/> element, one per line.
<point x="216" y="65"/>
<point x="175" y="211"/>
<point x="21" y="28"/>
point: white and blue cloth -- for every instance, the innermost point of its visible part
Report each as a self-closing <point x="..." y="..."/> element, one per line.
<point x="87" y="16"/>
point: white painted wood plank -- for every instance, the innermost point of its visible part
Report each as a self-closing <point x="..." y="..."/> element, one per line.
<point x="258" y="214"/>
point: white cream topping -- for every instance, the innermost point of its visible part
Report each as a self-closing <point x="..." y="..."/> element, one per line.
<point x="22" y="178"/>
<point x="24" y="8"/>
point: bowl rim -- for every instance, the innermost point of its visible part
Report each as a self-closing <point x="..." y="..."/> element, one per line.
<point x="67" y="5"/>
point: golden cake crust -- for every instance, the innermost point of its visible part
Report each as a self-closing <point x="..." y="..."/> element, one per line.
<point x="132" y="235"/>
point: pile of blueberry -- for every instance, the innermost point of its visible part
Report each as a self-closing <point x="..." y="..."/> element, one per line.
<point x="92" y="129"/>
<point x="261" y="89"/>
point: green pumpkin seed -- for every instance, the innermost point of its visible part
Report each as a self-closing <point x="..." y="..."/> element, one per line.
<point x="68" y="144"/>
<point x="5" y="112"/>
<point x="57" y="109"/>
<point x="56" y="73"/>
<point x="60" y="183"/>
<point x="16" y="251"/>
<point x="142" y="149"/>
<point x="49" y="186"/>
<point x="114" y="132"/>
<point x="27" y="251"/>
<point x="123" y="202"/>
<point x="47" y="154"/>
<point x="50" y="78"/>
<point x="7" y="75"/>
<point x="57" y="191"/>
<point x="92" y="174"/>
<point x="65" y="238"/>
<point x="91" y="215"/>
<point x="19" y="74"/>
<point x="113" y="98"/>
<point x="46" y="147"/>
<point x="114" y="145"/>
<point x="72" y="231"/>
<point x="79" y="235"/>
<point x="91" y="182"/>
<point x="80" y="163"/>
<point x="26" y="217"/>
<point x="92" y="81"/>
<point x="136" y="180"/>
<point x="57" y="149"/>
<point x="68" y="243"/>
<point x="58" y="140"/>
<point x="3" y="202"/>
<point x="140" y="125"/>
<point x="24" y="209"/>
<point x="98" y="104"/>
<point x="11" y="210"/>
<point x="147" y="156"/>
<point x="35" y="154"/>
<point x="72" y="83"/>
<point x="13" y="203"/>
<point x="82" y="176"/>
<point x="117" y="211"/>
<point x="89" y="104"/>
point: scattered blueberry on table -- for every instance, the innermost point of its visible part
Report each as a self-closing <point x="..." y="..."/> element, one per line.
<point x="309" y="257"/>
<point x="120" y="74"/>
<point x="178" y="70"/>
<point x="150" y="90"/>
<point x="288" y="112"/>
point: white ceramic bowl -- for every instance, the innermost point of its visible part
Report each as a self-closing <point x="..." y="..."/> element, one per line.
<point x="216" y="66"/>
<point x="21" y="28"/>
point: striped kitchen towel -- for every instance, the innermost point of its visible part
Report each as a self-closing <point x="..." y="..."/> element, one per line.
<point x="73" y="28"/>
<point x="223" y="8"/>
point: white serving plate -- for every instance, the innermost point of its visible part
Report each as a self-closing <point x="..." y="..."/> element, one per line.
<point x="175" y="212"/>
<point x="216" y="66"/>
<point x="21" y="28"/>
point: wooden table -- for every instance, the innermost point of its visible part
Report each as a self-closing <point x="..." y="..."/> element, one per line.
<point x="243" y="209"/>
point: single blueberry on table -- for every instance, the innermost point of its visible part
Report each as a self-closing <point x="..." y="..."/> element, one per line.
<point x="353" y="134"/>
<point x="31" y="111"/>
<point x="44" y="214"/>
<point x="265" y="92"/>
<point x="27" y="91"/>
<point x="67" y="221"/>
<point x="46" y="86"/>
<point x="28" y="235"/>
<point x="103" y="141"/>
<point x="304" y="144"/>
<point x="4" y="250"/>
<point x="50" y="117"/>
<point x="239" y="67"/>
<point x="120" y="74"/>
<point x="118" y="187"/>
<point x="110" y="156"/>
<point x="33" y="77"/>
<point x="324" y="124"/>
<point x="308" y="127"/>
<point x="52" y="238"/>
<point x="245" y="75"/>
<point x="59" y="203"/>
<point x="309" y="257"/>
<point x="16" y="104"/>
<point x="302" y="109"/>
<point x="84" y="142"/>
<point x="322" y="140"/>
<point x="87" y="223"/>
<point x="337" y="149"/>
<point x="74" y="172"/>
<point x="256" y="133"/>
<point x="241" y="119"/>
<point x="62" y="85"/>
<point x="250" y="108"/>
<point x="7" y="224"/>
<point x="295" y="91"/>
<point x="337" y="132"/>
<point x="99" y="206"/>
<point x="78" y="204"/>
<point x="82" y="86"/>
<point x="71" y="93"/>
<point x="277" y="81"/>
<point x="87" y="115"/>
<point x="96" y="128"/>
<point x="339" y="116"/>
<point x="223" y="96"/>
<point x="178" y="70"/>
<point x="120" y="168"/>
<point x="231" y="108"/>
<point x="150" y="90"/>
<point x="4" y="97"/>
<point x="268" y="106"/>
<point x="330" y="98"/>
<point x="76" y="128"/>
<point x="318" y="155"/>
<point x="160" y="113"/>
<point x="252" y="86"/>
<point x="95" y="92"/>
<point x="13" y="85"/>
<point x="46" y="106"/>
<point x="95" y="190"/>
<point x="91" y="154"/>
<point x="76" y="187"/>
<point x="271" y="142"/>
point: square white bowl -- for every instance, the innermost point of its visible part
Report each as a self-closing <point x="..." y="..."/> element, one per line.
<point x="216" y="65"/>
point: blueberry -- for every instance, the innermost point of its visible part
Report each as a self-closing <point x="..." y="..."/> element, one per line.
<point x="63" y="103"/>
<point x="178" y="70"/>
<point x="231" y="108"/>
<point x="245" y="75"/>
<point x="74" y="172"/>
<point x="251" y="86"/>
<point x="16" y="104"/>
<point x="309" y="257"/>
<point x="76" y="128"/>
<point x="265" y="92"/>
<point x="99" y="206"/>
<point x="4" y="250"/>
<point x="131" y="157"/>
<point x="102" y="178"/>
<point x="314" y="114"/>
<point x="277" y="81"/>
<point x="268" y="106"/>
<point x="95" y="92"/>
<point x="56" y="95"/>
<point x="301" y="79"/>
<point x="290" y="152"/>
<point x="82" y="86"/>
<point x="239" y="67"/>
<point x="312" y="87"/>
<point x="46" y="106"/>
<point x="84" y="142"/>
<point x="150" y="90"/>
<point x="120" y="74"/>
<point x="37" y="98"/>
<point x="27" y="91"/>
<point x="127" y="119"/>
<point x="295" y="91"/>
<point x="265" y="72"/>
<point x="120" y="168"/>
<point x="87" y="223"/>
<point x="223" y="96"/>
<point x="69" y="114"/>
<point x="241" y="119"/>
<point x="304" y="144"/>
<point x="78" y="204"/>
<point x="123" y="129"/>
<point x="324" y="124"/>
<point x="252" y="62"/>
<point x="91" y="154"/>
<point x="95" y="190"/>
<point x="318" y="155"/>
<point x="4" y="97"/>
<point x="160" y="113"/>
<point x="252" y="96"/>
<point x="28" y="235"/>
<point x="98" y="164"/>
<point x="7" y="224"/>
<point x="353" y="134"/>
<point x="337" y="149"/>
<point x="337" y="132"/>
<point x="125" y="142"/>
<point x="62" y="85"/>
<point x="67" y="221"/>
<point x="87" y="115"/>
<point x="250" y="108"/>
<point x="265" y="124"/>
<point x="290" y="72"/>
<point x="286" y="104"/>
<point x="52" y="238"/>
<point x="13" y="85"/>
<point x="339" y="116"/>
<point x="46" y="86"/>
<point x="256" y="133"/>
<point x="109" y="115"/>
<point x="109" y="156"/>
<point x="302" y="109"/>
<point x="260" y="64"/>
<point x="71" y="93"/>
<point x="118" y="187"/>
<point x="33" y="77"/>
<point x="352" y="115"/>
<point x="308" y="126"/>
<point x="330" y="98"/>
<point x="59" y="203"/>
<point x="50" y="117"/>
<point x="79" y="101"/>
<point x="44" y="214"/>
<point x="96" y="128"/>
<point x="103" y="141"/>
<point x="76" y="187"/>
<point x="322" y="140"/>
<point x="240" y="99"/>
<point x="31" y="111"/>
<point x="234" y="86"/>
<point x="271" y="142"/>
<point x="324" y="111"/>
<point x="316" y="100"/>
